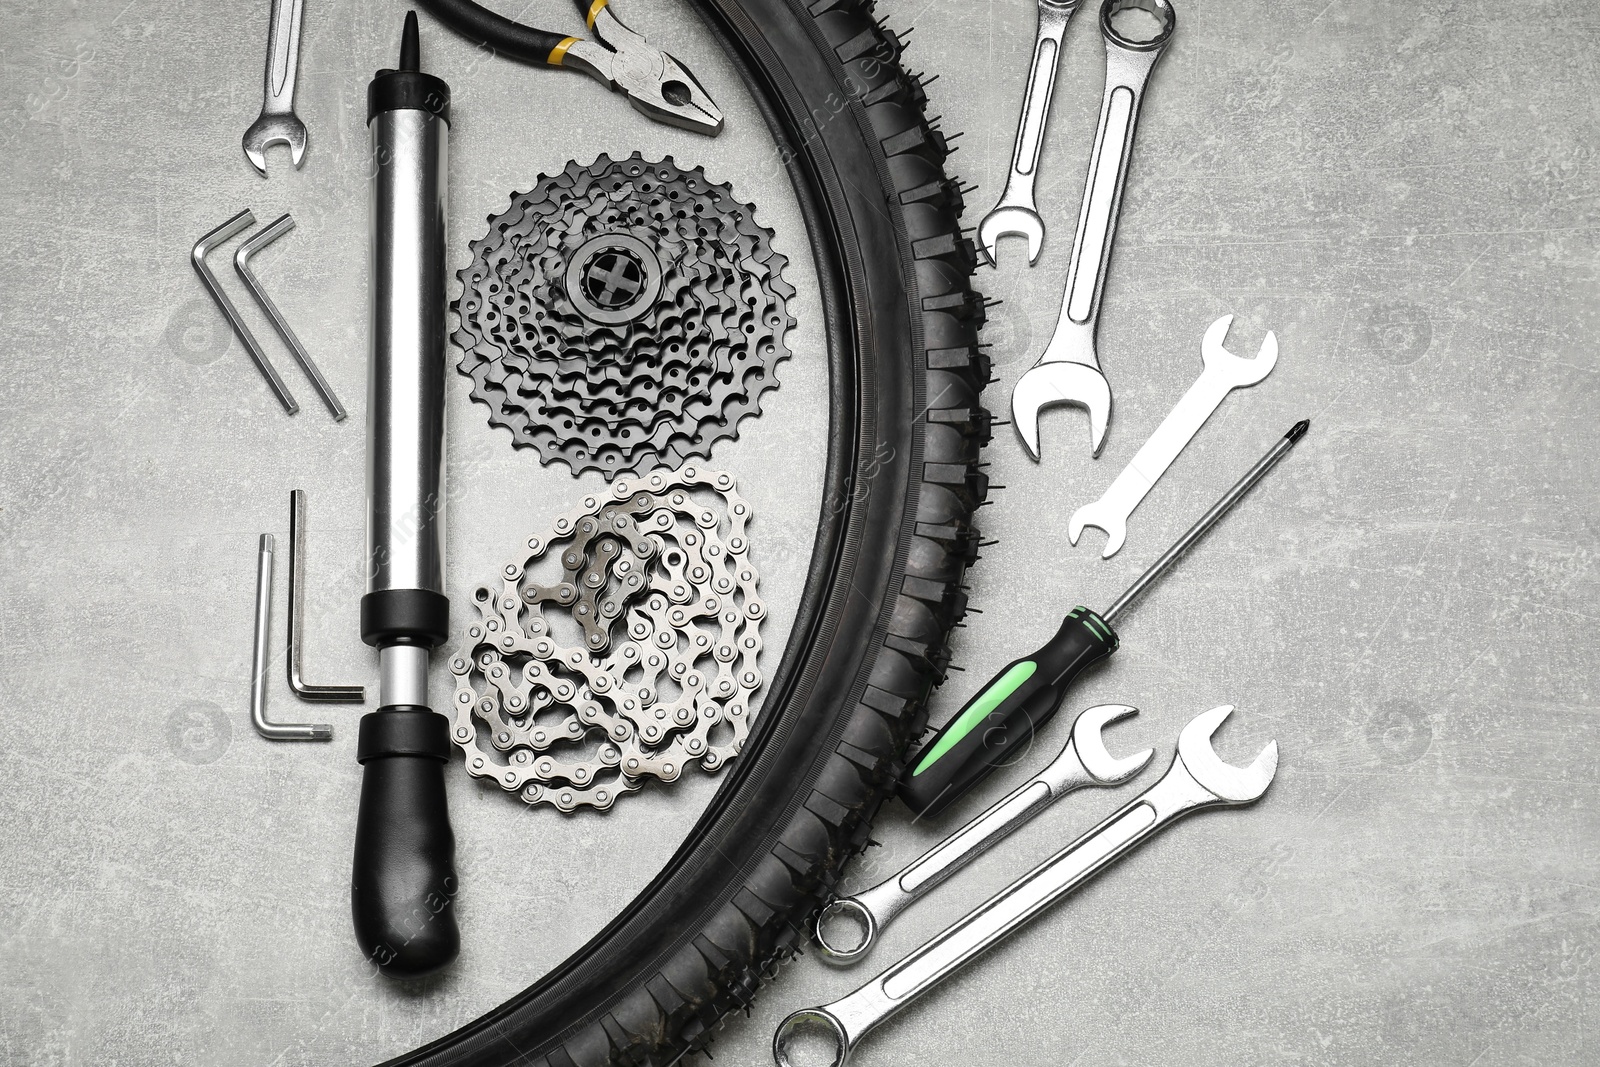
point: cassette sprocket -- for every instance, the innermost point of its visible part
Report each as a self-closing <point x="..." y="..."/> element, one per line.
<point x="623" y="316"/>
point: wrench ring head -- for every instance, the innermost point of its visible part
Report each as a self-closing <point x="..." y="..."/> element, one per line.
<point x="1161" y="9"/>
<point x="1236" y="785"/>
<point x="1091" y="747"/>
<point x="1011" y="220"/>
<point x="846" y="908"/>
<point x="812" y="1020"/>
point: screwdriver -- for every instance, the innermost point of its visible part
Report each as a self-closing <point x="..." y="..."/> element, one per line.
<point x="1027" y="692"/>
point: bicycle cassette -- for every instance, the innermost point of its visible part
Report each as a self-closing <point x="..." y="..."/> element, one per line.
<point x="623" y="316"/>
<point x="579" y="720"/>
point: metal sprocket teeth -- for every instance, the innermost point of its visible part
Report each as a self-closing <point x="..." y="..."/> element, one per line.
<point x="655" y="579"/>
<point x="623" y="315"/>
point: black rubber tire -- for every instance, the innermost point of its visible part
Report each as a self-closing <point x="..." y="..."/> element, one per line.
<point x="894" y="539"/>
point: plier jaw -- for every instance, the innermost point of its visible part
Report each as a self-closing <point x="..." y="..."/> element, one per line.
<point x="656" y="84"/>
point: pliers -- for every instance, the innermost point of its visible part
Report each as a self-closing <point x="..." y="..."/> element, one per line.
<point x="623" y="60"/>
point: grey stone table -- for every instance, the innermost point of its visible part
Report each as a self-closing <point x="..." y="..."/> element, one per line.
<point x="1407" y="195"/>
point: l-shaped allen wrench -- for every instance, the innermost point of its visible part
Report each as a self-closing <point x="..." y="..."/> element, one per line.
<point x="324" y="694"/>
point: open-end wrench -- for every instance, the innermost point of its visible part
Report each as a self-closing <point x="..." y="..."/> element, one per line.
<point x="1016" y="214"/>
<point x="197" y="257"/>
<point x="277" y="123"/>
<point x="1197" y="780"/>
<point x="1069" y="370"/>
<point x="1223" y="373"/>
<point x="1084" y="762"/>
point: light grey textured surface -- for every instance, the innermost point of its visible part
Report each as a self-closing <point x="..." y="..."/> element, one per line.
<point x="1407" y="197"/>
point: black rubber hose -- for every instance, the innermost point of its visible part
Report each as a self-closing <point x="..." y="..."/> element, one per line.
<point x="494" y="32"/>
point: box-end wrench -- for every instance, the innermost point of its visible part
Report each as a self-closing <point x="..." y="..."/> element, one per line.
<point x="1016" y="214"/>
<point x="1224" y="372"/>
<point x="1197" y="780"/>
<point x="277" y="123"/>
<point x="1084" y="762"/>
<point x="1069" y="370"/>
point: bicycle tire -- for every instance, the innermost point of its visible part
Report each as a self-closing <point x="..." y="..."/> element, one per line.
<point x="894" y="539"/>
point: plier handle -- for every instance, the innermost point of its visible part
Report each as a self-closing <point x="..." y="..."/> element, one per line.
<point x="622" y="60"/>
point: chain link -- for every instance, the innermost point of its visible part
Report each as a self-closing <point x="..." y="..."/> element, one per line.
<point x="578" y="726"/>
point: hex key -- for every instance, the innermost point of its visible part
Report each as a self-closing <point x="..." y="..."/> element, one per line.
<point x="272" y="731"/>
<point x="197" y="256"/>
<point x="323" y="694"/>
<point x="241" y="263"/>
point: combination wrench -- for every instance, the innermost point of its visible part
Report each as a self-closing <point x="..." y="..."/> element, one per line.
<point x="1083" y="763"/>
<point x="1196" y="781"/>
<point x="1016" y="214"/>
<point x="277" y="123"/>
<point x="1069" y="370"/>
<point x="1224" y="372"/>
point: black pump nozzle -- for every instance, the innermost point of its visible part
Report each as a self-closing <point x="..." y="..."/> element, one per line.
<point x="410" y="48"/>
<point x="406" y="87"/>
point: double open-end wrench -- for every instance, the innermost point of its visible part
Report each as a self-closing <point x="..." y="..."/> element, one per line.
<point x="277" y="123"/>
<point x="1016" y="214"/>
<point x="1197" y="780"/>
<point x="1223" y="373"/>
<point x="1069" y="370"/>
<point x="1084" y="762"/>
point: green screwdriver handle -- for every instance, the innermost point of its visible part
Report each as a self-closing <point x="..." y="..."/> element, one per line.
<point x="996" y="726"/>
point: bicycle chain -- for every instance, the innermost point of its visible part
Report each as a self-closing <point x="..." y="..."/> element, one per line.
<point x="623" y="316"/>
<point x="646" y="554"/>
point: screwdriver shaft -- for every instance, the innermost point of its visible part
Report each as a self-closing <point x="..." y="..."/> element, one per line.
<point x="1209" y="519"/>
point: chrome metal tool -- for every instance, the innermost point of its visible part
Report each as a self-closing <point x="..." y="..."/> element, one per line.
<point x="1084" y="762"/>
<point x="260" y="654"/>
<point x="323" y="694"/>
<point x="1016" y="214"/>
<point x="203" y="247"/>
<point x="1224" y="372"/>
<point x="241" y="263"/>
<point x="278" y="124"/>
<point x="1069" y="370"/>
<point x="1197" y="780"/>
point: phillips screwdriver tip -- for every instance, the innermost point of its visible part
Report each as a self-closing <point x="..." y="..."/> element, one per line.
<point x="1298" y="430"/>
